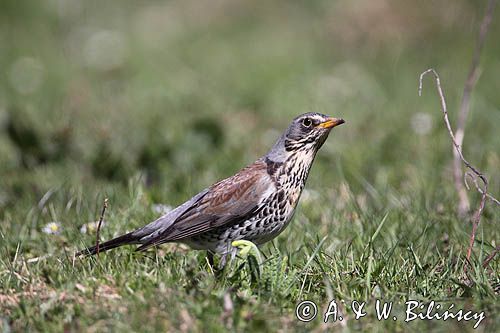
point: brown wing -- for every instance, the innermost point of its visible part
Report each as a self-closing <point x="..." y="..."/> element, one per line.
<point x="227" y="202"/>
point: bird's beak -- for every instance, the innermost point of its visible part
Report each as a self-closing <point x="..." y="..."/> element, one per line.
<point x="331" y="123"/>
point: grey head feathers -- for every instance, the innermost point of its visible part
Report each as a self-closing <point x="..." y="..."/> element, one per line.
<point x="304" y="133"/>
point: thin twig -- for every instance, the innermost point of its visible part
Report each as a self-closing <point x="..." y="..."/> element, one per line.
<point x="473" y="176"/>
<point x="473" y="76"/>
<point x="491" y="256"/>
<point x="447" y="120"/>
<point x="104" y="206"/>
<point x="477" y="215"/>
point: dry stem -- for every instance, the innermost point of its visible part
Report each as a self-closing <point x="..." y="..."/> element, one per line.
<point x="491" y="256"/>
<point x="474" y="72"/>
<point x="484" y="193"/>
<point x="104" y="206"/>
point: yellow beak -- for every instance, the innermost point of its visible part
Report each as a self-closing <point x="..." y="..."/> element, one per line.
<point x="331" y="122"/>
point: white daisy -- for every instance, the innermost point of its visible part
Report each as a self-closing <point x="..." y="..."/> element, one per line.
<point x="52" y="228"/>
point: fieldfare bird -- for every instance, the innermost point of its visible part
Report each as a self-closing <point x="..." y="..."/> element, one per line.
<point x="256" y="204"/>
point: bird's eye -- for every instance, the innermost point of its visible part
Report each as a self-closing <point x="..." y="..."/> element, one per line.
<point x="307" y="122"/>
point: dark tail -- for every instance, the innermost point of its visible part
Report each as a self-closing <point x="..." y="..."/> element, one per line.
<point x="111" y="244"/>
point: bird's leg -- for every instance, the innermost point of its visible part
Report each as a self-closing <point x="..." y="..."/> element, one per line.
<point x="216" y="269"/>
<point x="210" y="257"/>
<point x="222" y="262"/>
<point x="234" y="252"/>
<point x="227" y="256"/>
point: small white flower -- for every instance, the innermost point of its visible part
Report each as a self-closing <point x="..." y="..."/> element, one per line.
<point x="161" y="208"/>
<point x="52" y="228"/>
<point x="90" y="227"/>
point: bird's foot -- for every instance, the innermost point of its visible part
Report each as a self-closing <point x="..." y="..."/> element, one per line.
<point x="244" y="248"/>
<point x="218" y="267"/>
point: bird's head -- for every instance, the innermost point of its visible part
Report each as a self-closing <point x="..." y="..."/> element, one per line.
<point x="306" y="133"/>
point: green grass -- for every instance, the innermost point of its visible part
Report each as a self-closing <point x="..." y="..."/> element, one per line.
<point x="198" y="93"/>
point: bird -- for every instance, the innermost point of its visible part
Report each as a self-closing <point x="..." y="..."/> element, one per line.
<point x="256" y="204"/>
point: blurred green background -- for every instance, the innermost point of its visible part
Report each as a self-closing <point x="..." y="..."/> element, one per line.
<point x="111" y="99"/>
<point x="185" y="92"/>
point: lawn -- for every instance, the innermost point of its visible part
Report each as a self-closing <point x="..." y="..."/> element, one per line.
<point x="146" y="104"/>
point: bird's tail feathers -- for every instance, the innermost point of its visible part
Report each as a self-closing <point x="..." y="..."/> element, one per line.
<point x="111" y="244"/>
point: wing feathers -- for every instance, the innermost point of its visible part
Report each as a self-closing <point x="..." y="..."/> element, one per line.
<point x="225" y="203"/>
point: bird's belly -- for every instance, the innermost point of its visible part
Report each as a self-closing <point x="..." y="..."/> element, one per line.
<point x="207" y="241"/>
<point x="272" y="229"/>
<point x="258" y="229"/>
